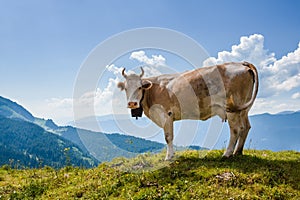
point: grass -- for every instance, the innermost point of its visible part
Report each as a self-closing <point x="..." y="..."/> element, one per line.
<point x="191" y="175"/>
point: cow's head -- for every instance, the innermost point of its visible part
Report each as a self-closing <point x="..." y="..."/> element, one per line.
<point x="134" y="86"/>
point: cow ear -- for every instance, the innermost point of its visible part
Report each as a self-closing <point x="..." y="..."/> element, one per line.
<point x="121" y="85"/>
<point x="146" y="84"/>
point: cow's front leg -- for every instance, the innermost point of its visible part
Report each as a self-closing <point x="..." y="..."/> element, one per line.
<point x="168" y="131"/>
<point x="164" y="119"/>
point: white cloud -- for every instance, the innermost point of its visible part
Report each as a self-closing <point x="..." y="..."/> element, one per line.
<point x="288" y="84"/>
<point x="117" y="71"/>
<point x="152" y="66"/>
<point x="288" y="64"/>
<point x="107" y="99"/>
<point x="58" y="109"/>
<point x="296" y="95"/>
<point x="63" y="103"/>
<point x="250" y="49"/>
<point x="274" y="105"/>
<point x="102" y="101"/>
<point x="285" y="73"/>
<point x="154" y="61"/>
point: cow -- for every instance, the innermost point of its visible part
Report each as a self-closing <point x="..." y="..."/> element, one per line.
<point x="226" y="90"/>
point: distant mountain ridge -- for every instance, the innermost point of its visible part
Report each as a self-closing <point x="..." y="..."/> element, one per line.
<point x="276" y="132"/>
<point x="13" y="110"/>
<point x="286" y="112"/>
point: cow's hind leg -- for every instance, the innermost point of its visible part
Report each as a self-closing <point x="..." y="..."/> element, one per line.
<point x="243" y="134"/>
<point x="235" y="125"/>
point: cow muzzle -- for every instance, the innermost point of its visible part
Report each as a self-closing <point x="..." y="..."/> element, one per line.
<point x="132" y="105"/>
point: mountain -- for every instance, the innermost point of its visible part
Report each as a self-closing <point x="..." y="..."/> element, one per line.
<point x="275" y="132"/>
<point x="22" y="138"/>
<point x="10" y="109"/>
<point x="287" y="112"/>
<point x="26" y="144"/>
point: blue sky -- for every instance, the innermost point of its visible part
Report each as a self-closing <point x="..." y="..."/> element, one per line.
<point x="44" y="43"/>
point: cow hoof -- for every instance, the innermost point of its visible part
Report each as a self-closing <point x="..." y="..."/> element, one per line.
<point x="227" y="156"/>
<point x="169" y="157"/>
<point x="238" y="153"/>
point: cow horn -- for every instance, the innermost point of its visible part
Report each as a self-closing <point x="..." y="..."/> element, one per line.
<point x="142" y="74"/>
<point x="123" y="73"/>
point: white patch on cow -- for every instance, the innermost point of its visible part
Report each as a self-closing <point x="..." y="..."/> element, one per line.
<point x="234" y="70"/>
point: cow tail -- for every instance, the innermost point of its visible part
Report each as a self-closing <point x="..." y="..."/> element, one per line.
<point x="253" y="71"/>
<point x="232" y="108"/>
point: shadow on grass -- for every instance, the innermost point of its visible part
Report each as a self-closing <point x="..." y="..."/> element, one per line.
<point x="248" y="168"/>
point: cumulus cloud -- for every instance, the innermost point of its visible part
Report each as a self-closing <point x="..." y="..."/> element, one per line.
<point x="285" y="73"/>
<point x="58" y="109"/>
<point x="250" y="49"/>
<point x="151" y="65"/>
<point x="288" y="64"/>
<point x="117" y="71"/>
<point x="62" y="103"/>
<point x="274" y="105"/>
<point x="290" y="83"/>
<point x="154" y="61"/>
<point x="296" y="95"/>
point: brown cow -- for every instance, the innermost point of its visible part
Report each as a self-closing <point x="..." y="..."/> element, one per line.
<point x="226" y="90"/>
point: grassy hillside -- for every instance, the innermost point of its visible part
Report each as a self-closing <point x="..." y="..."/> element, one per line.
<point x="191" y="175"/>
